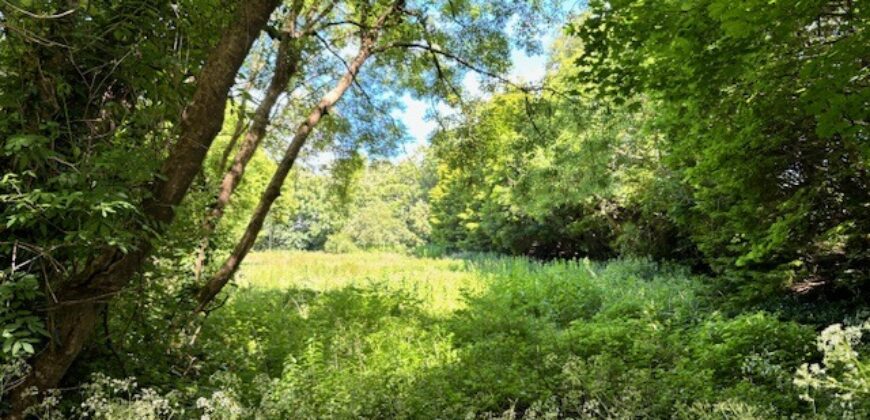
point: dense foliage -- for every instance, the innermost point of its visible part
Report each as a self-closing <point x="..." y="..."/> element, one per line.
<point x="764" y="109"/>
<point x="354" y="204"/>
<point x="314" y="335"/>
<point x="673" y="223"/>
<point x="78" y="104"/>
<point x="732" y="137"/>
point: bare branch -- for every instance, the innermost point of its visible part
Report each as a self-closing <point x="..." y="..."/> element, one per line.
<point x="39" y="16"/>
<point x="311" y="25"/>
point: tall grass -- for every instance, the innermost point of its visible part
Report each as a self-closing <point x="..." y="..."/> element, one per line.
<point x="380" y="335"/>
<point x="438" y="283"/>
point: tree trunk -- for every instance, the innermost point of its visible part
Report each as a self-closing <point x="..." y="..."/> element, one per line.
<point x="286" y="64"/>
<point x="273" y="190"/>
<point x="74" y="317"/>
<point x="241" y="124"/>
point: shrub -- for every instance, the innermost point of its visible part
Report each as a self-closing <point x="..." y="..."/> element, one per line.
<point x="843" y="376"/>
<point x="392" y="336"/>
<point x="340" y="243"/>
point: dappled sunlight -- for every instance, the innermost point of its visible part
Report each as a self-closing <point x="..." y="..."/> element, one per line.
<point x="387" y="335"/>
<point x="439" y="283"/>
<point x="434" y="209"/>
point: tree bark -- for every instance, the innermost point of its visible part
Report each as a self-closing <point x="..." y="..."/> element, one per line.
<point x="214" y="285"/>
<point x="240" y="128"/>
<point x="242" y="123"/>
<point x="286" y="64"/>
<point x="75" y="316"/>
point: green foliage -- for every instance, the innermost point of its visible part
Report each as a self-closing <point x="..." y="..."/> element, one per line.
<point x="389" y="208"/>
<point x="843" y="377"/>
<point x="340" y="243"/>
<point x="380" y="205"/>
<point x="370" y="335"/>
<point x="730" y="136"/>
<point x="181" y="240"/>
<point x="555" y="177"/>
<point x="309" y="212"/>
<point x="22" y="328"/>
<point x="67" y="134"/>
<point x="84" y="123"/>
<point x="764" y="110"/>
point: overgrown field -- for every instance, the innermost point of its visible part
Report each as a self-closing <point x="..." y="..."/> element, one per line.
<point x="368" y="335"/>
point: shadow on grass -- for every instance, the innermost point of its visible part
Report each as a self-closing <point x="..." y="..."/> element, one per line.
<point x="623" y="339"/>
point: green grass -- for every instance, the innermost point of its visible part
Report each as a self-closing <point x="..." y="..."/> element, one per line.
<point x="439" y="284"/>
<point x="379" y="335"/>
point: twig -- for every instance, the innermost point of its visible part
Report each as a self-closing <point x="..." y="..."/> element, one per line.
<point x="38" y="16"/>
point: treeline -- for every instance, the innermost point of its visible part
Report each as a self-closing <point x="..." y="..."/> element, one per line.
<point x="354" y="204"/>
<point x="728" y="136"/>
<point x="692" y="134"/>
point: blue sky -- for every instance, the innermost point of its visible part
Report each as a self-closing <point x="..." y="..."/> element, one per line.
<point x="525" y="69"/>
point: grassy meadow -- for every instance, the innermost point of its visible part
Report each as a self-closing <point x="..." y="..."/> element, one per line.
<point x="379" y="335"/>
<point x="438" y="284"/>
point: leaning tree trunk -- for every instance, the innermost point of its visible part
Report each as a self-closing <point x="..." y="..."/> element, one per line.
<point x="273" y="190"/>
<point x="241" y="127"/>
<point x="286" y="64"/>
<point x="80" y="299"/>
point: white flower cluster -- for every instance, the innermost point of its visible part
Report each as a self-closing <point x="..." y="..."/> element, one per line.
<point x="842" y="374"/>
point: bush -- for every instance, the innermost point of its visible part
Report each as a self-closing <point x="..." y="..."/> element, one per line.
<point x="843" y="376"/>
<point x="393" y="336"/>
<point x="340" y="243"/>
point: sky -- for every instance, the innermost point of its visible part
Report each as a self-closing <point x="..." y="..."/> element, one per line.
<point x="525" y="69"/>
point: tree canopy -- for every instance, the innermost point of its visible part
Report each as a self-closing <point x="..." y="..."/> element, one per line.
<point x="148" y="146"/>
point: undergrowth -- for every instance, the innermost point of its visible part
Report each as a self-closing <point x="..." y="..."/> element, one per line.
<point x="312" y="335"/>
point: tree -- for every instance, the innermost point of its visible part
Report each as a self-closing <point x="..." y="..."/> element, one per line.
<point x="109" y="102"/>
<point x="387" y="31"/>
<point x="764" y="109"/>
<point x="109" y="111"/>
<point x="554" y="174"/>
<point x="389" y="208"/>
<point x="368" y="38"/>
<point x="291" y="40"/>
